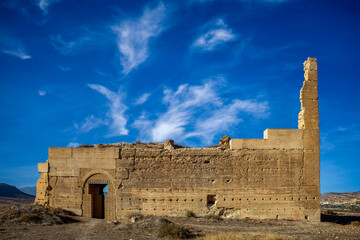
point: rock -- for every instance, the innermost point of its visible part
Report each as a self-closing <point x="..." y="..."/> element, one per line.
<point x="169" y="144"/>
<point x="225" y="141"/>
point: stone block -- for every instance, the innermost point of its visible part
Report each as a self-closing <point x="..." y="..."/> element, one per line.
<point x="43" y="167"/>
<point x="122" y="173"/>
<point x="59" y="152"/>
<point x="310" y="64"/>
<point x="311" y="75"/>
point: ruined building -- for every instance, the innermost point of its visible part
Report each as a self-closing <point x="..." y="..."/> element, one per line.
<point x="276" y="177"/>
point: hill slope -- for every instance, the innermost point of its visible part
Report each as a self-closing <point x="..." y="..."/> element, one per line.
<point x="349" y="200"/>
<point x="29" y="190"/>
<point x="9" y="191"/>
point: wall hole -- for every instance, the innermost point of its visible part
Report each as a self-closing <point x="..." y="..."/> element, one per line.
<point x="210" y="200"/>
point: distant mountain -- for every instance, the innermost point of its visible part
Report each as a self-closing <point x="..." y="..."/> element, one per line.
<point x="29" y="190"/>
<point x="9" y="191"/>
<point x="348" y="200"/>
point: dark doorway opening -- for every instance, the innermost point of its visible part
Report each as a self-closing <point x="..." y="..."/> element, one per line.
<point x="211" y="199"/>
<point x="97" y="200"/>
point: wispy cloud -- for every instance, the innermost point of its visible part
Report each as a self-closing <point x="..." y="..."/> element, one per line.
<point x="63" y="68"/>
<point x="13" y="47"/>
<point x="245" y="1"/>
<point x="73" y="144"/>
<point x="19" y="52"/>
<point x="44" y="5"/>
<point x="42" y="92"/>
<point x="132" y="36"/>
<point x="222" y="119"/>
<point x="197" y="111"/>
<point x="182" y="105"/>
<point x="340" y="135"/>
<point x="90" y="123"/>
<point x="216" y="36"/>
<point x="144" y="125"/>
<point x="116" y="110"/>
<point x="70" y="47"/>
<point x="142" y="99"/>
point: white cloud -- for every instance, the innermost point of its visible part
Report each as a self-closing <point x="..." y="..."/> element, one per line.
<point x="13" y="47"/>
<point x="116" y="112"/>
<point x="90" y="123"/>
<point x="144" y="125"/>
<point x="246" y="1"/>
<point x="197" y="111"/>
<point x="42" y="92"/>
<point x="73" y="144"/>
<point x="225" y="117"/>
<point x="45" y="4"/>
<point x="142" y="99"/>
<point x="182" y="105"/>
<point x="132" y="36"/>
<point x="214" y="37"/>
<point x="63" y="68"/>
<point x="20" y="53"/>
<point x="72" y="46"/>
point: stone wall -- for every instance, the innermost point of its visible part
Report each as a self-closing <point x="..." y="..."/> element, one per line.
<point x="276" y="177"/>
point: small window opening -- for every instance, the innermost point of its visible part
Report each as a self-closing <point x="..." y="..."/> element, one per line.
<point x="306" y="217"/>
<point x="211" y="199"/>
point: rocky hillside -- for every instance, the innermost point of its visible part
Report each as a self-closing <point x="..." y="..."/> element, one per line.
<point x="9" y="191"/>
<point x="349" y="200"/>
<point x="29" y="190"/>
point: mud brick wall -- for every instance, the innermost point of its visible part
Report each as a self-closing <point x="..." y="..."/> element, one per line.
<point x="275" y="177"/>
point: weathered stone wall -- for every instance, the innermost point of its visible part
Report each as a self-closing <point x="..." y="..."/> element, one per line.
<point x="276" y="177"/>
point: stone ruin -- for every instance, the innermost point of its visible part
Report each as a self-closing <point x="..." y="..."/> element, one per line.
<point x="277" y="177"/>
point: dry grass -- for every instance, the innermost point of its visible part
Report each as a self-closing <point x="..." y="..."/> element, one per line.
<point x="355" y="223"/>
<point x="173" y="230"/>
<point x="247" y="236"/>
<point x="213" y="217"/>
<point x="190" y="214"/>
<point x="30" y="218"/>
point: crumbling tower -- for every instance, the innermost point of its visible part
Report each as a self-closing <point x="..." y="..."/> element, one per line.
<point x="309" y="122"/>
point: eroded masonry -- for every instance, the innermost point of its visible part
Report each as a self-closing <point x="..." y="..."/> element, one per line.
<point x="276" y="177"/>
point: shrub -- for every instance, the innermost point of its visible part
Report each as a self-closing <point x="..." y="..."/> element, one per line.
<point x="250" y="236"/>
<point x="213" y="217"/>
<point x="355" y="223"/>
<point x="190" y="214"/>
<point x="173" y="230"/>
<point x="30" y="218"/>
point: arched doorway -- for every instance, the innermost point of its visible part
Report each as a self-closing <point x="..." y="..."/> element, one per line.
<point x="99" y="196"/>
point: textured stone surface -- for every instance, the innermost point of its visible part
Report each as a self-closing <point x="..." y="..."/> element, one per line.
<point x="276" y="177"/>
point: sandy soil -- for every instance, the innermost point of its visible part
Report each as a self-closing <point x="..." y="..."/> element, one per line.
<point x="332" y="227"/>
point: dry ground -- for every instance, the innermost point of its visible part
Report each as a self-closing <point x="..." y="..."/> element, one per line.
<point x="35" y="222"/>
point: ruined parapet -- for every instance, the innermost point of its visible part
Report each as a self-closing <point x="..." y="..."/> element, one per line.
<point x="42" y="184"/>
<point x="309" y="114"/>
<point x="309" y="122"/>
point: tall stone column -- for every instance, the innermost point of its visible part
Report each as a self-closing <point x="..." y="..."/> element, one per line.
<point x="309" y="122"/>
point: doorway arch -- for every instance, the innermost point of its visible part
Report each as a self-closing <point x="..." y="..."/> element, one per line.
<point x="97" y="204"/>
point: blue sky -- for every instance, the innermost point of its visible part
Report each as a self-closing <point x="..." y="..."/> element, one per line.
<point x="87" y="72"/>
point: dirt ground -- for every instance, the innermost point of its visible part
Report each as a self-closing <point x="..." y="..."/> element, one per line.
<point x="64" y="226"/>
